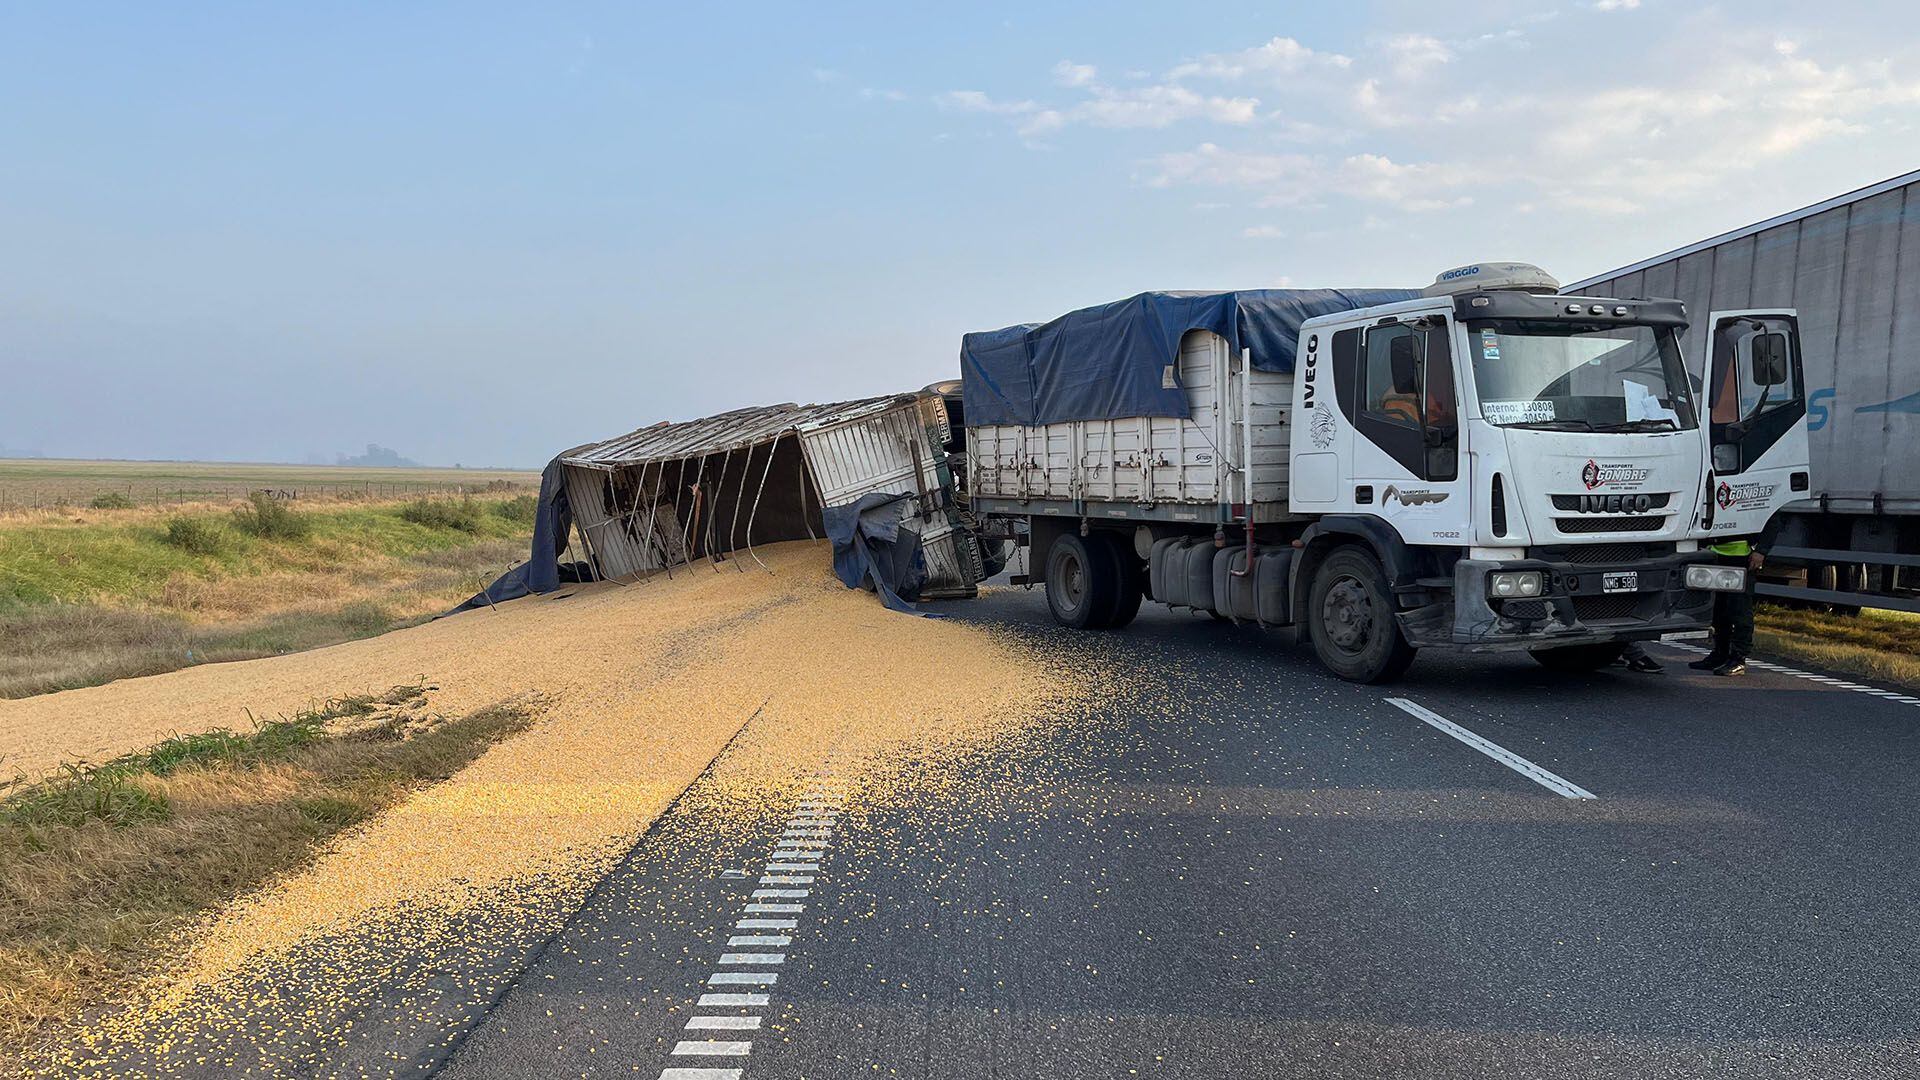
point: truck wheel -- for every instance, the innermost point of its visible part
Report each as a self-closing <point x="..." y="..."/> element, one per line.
<point x="1350" y="617"/>
<point x="1130" y="580"/>
<point x="1082" y="580"/>
<point x="1573" y="659"/>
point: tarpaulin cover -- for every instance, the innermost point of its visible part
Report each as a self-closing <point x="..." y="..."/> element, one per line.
<point x="541" y="573"/>
<point x="1111" y="362"/>
<point x="870" y="545"/>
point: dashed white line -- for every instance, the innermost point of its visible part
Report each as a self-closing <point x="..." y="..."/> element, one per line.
<point x="781" y="894"/>
<point x="743" y="978"/>
<point x="1559" y="785"/>
<point x="774" y="909"/>
<point x="714" y="1001"/>
<point x="700" y="1074"/>
<point x="753" y="958"/>
<point x="723" y="1023"/>
<point x="715" y="1047"/>
<point x="765" y="924"/>
<point x="760" y="939"/>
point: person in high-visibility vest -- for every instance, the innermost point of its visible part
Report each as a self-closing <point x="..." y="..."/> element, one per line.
<point x="1733" y="611"/>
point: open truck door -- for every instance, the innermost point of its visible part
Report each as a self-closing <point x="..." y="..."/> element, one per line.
<point x="1756" y="409"/>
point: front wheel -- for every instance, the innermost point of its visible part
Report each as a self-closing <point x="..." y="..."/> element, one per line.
<point x="1574" y="659"/>
<point x="1350" y="617"/>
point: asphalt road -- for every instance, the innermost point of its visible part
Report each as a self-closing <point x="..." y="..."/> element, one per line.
<point x="1246" y="868"/>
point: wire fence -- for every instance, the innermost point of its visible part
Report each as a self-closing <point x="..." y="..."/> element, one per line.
<point x="44" y="496"/>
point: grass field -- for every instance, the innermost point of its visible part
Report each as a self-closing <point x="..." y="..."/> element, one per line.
<point x="30" y="484"/>
<point x="1877" y="644"/>
<point x="88" y="596"/>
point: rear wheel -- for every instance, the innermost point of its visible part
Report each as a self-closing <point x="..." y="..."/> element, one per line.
<point x="1082" y="582"/>
<point x="1350" y="617"/>
<point x="1130" y="579"/>
<point x="1578" y="658"/>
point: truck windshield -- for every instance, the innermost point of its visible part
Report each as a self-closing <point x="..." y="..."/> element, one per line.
<point x="1579" y="376"/>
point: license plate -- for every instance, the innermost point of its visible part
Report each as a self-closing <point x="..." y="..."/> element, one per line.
<point x="1625" y="581"/>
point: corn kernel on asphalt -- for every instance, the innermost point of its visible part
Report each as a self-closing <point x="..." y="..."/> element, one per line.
<point x="643" y="685"/>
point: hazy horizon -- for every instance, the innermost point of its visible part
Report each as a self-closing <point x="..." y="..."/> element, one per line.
<point x="246" y="234"/>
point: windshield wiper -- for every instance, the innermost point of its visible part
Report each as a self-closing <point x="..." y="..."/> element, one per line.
<point x="1658" y="424"/>
<point x="1554" y="425"/>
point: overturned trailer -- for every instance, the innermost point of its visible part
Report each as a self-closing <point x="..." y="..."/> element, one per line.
<point x="673" y="494"/>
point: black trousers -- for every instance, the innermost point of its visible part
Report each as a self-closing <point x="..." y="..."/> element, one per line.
<point x="1733" y="616"/>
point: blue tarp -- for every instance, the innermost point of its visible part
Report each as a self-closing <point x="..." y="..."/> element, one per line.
<point x="541" y="572"/>
<point x="1110" y="362"/>
<point x="871" y="550"/>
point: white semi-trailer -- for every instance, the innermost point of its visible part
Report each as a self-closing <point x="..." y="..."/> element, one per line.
<point x="1482" y="465"/>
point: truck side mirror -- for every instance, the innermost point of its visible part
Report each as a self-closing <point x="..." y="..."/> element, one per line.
<point x="1770" y="360"/>
<point x="1403" y="358"/>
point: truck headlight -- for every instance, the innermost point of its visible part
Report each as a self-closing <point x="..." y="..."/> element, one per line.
<point x="1709" y="578"/>
<point x="1517" y="583"/>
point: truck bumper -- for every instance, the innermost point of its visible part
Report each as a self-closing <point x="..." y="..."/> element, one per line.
<point x="1576" y="607"/>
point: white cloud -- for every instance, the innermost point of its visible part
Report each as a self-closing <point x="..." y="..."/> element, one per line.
<point x="1264" y="232"/>
<point x="1068" y="73"/>
<point x="1416" y="54"/>
<point x="1279" y="56"/>
<point x="1615" y="5"/>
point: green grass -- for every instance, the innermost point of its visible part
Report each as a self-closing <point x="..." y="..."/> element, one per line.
<point x="101" y="867"/>
<point x="111" y="500"/>
<point x="462" y="514"/>
<point x="47" y="563"/>
<point x="268" y="518"/>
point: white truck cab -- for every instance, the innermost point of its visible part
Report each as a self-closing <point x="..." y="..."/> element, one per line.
<point x="1543" y="454"/>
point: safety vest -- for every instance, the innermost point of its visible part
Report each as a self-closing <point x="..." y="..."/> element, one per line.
<point x="1731" y="547"/>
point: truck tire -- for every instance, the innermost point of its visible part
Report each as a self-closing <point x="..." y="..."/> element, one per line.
<point x="1083" y="581"/>
<point x="1573" y="659"/>
<point x="1130" y="580"/>
<point x="1350" y="617"/>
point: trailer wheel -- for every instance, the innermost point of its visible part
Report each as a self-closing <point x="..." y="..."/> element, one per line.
<point x="1573" y="659"/>
<point x="1350" y="617"/>
<point x="1082" y="581"/>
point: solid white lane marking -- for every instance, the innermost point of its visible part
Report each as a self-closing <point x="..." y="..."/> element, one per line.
<point x="725" y="1023"/>
<point x="781" y="894"/>
<point x="753" y="958"/>
<point x="765" y="924"/>
<point x="716" y="1000"/>
<point x="1552" y="782"/>
<point x="786" y="879"/>
<point x="700" y="1074"/>
<point x="793" y="866"/>
<point x="760" y="939"/>
<point x="774" y="909"/>
<point x="1810" y="676"/>
<point x="713" y="1047"/>
<point x="743" y="978"/>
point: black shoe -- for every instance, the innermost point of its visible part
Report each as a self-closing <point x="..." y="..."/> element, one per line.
<point x="1734" y="666"/>
<point x="1709" y="662"/>
<point x="1645" y="664"/>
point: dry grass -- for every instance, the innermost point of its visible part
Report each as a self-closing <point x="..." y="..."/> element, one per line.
<point x="1877" y="644"/>
<point x="51" y="485"/>
<point x="100" y="866"/>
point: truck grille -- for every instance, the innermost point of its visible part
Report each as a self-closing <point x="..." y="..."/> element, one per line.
<point x="1573" y="503"/>
<point x="1610" y="524"/>
<point x="1601" y="554"/>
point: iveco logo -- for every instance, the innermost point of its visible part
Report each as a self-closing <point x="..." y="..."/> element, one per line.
<point x="1615" y="504"/>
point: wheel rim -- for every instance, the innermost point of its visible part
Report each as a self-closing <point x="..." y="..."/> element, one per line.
<point x="1347" y="614"/>
<point x="1073" y="582"/>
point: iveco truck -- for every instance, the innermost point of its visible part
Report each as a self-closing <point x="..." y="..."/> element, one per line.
<point x="1482" y="465"/>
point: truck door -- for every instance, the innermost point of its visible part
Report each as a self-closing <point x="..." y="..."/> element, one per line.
<point x="1406" y="450"/>
<point x="1756" y="413"/>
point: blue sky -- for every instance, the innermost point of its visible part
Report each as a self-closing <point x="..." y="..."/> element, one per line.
<point x="482" y="233"/>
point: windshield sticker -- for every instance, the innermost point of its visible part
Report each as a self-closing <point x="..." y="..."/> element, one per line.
<point x="1517" y="412"/>
<point x="1489" y="345"/>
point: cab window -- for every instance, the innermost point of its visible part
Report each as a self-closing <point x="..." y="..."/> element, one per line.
<point x="1406" y="393"/>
